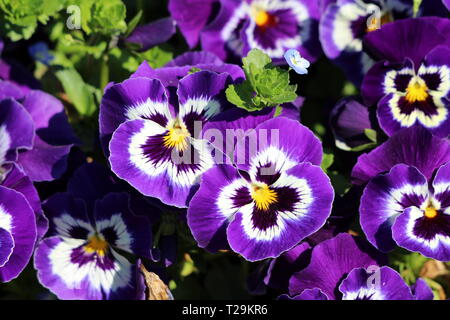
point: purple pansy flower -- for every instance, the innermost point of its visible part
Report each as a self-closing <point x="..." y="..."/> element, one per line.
<point x="16" y="131"/>
<point x="169" y="75"/>
<point x="274" y="198"/>
<point x="347" y="268"/>
<point x="271" y="26"/>
<point x="191" y="17"/>
<point x="81" y="256"/>
<point x="413" y="146"/>
<point x="185" y="64"/>
<point x="403" y="207"/>
<point x="358" y="285"/>
<point x="47" y="159"/>
<point x="345" y="23"/>
<point x="413" y="89"/>
<point x="348" y="121"/>
<point x="17" y="233"/>
<point x="331" y="261"/>
<point x="158" y="148"/>
<point x="380" y="284"/>
<point x="39" y="130"/>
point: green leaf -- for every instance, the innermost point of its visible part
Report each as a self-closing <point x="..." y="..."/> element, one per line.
<point x="79" y="93"/>
<point x="327" y="161"/>
<point x="416" y="7"/>
<point x="241" y="95"/>
<point x="108" y="17"/>
<point x="265" y="84"/>
<point x="371" y="134"/>
<point x="158" y="56"/>
<point x="364" y="147"/>
<point x="19" y="18"/>
<point x="105" y="17"/>
<point x="133" y="23"/>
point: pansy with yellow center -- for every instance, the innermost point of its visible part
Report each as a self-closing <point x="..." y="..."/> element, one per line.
<point x="411" y="86"/>
<point x="82" y="256"/>
<point x="274" y="198"/>
<point x="158" y="148"/>
<point x="272" y="26"/>
<point x="404" y="208"/>
<point x="345" y="24"/>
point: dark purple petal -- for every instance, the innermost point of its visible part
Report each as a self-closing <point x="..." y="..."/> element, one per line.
<point x="120" y="227"/>
<point x="308" y="294"/>
<point x="136" y="98"/>
<point x="228" y="127"/>
<point x="211" y="38"/>
<point x="282" y="268"/>
<point x="10" y="90"/>
<point x="170" y="75"/>
<point x="44" y="162"/>
<point x="412" y="146"/>
<point x="191" y="17"/>
<point x="153" y="33"/>
<point x="92" y="181"/>
<point x="421" y="290"/>
<point x="18" y="219"/>
<point x="16" y="73"/>
<point x="6" y="246"/>
<point x="377" y="284"/>
<point x="16" y="129"/>
<point x="201" y="97"/>
<point x="428" y="33"/>
<point x="18" y="181"/>
<point x="67" y="217"/>
<point x="214" y="205"/>
<point x="447" y="4"/>
<point x="296" y="143"/>
<point x="49" y="118"/>
<point x="348" y="120"/>
<point x="331" y="261"/>
<point x="194" y="58"/>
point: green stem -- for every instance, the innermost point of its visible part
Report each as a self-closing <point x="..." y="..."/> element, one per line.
<point x="104" y="72"/>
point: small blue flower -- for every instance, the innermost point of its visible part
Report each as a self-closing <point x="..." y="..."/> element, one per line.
<point x="296" y="62"/>
<point x="40" y="52"/>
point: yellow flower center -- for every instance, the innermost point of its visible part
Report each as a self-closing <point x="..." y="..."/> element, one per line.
<point x="375" y="23"/>
<point x="97" y="244"/>
<point x="263" y="196"/>
<point x="430" y="212"/>
<point x="262" y="18"/>
<point x="417" y="91"/>
<point x="177" y="136"/>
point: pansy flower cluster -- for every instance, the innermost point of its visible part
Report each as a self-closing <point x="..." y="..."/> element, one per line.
<point x="304" y="142"/>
